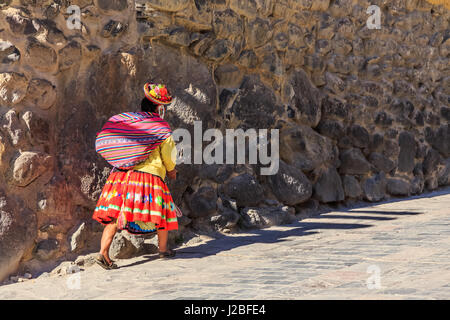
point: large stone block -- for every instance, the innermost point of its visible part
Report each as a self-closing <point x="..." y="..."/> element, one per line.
<point x="227" y="24"/>
<point x="305" y="149"/>
<point x="407" y="153"/>
<point x="258" y="32"/>
<point x="375" y="187"/>
<point x="29" y="166"/>
<point x="331" y="129"/>
<point x="203" y="202"/>
<point x="255" y="106"/>
<point x="245" y="189"/>
<point x="353" y="162"/>
<point x="18" y="229"/>
<point x="40" y="56"/>
<point x="398" y="187"/>
<point x="13" y="87"/>
<point x="41" y="93"/>
<point x="328" y="187"/>
<point x="352" y="187"/>
<point x="290" y="185"/>
<point x="381" y="162"/>
<point x="439" y="139"/>
<point x="304" y="97"/>
<point x="126" y="245"/>
<point x="358" y="136"/>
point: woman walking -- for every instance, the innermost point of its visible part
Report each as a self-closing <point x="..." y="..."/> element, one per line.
<point x="135" y="197"/>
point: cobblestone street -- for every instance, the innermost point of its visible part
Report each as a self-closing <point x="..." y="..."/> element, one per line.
<point x="394" y="250"/>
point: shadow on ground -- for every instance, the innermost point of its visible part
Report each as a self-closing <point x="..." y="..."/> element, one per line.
<point x="225" y="243"/>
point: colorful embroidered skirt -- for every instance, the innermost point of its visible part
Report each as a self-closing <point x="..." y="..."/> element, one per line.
<point x="139" y="202"/>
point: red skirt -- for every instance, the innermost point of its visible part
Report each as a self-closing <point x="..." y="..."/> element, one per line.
<point x="143" y="199"/>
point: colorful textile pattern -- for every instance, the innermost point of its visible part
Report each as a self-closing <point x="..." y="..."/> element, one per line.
<point x="137" y="227"/>
<point x="142" y="198"/>
<point x="128" y="138"/>
<point x="157" y="93"/>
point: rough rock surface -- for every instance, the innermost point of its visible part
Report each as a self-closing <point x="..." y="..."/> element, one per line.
<point x="265" y="217"/>
<point x="362" y="114"/>
<point x="290" y="185"/>
<point x="125" y="245"/>
<point x="18" y="229"/>
<point x="328" y="187"/>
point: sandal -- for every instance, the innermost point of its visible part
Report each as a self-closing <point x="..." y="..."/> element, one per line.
<point x="101" y="261"/>
<point x="167" y="254"/>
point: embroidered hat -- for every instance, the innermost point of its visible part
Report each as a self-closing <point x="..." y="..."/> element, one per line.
<point x="157" y="93"/>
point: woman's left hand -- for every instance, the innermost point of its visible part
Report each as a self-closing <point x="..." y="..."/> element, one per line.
<point x="172" y="174"/>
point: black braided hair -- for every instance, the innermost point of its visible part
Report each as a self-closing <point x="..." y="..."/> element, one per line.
<point x="148" y="106"/>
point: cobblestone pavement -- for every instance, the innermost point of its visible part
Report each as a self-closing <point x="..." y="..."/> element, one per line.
<point x="395" y="250"/>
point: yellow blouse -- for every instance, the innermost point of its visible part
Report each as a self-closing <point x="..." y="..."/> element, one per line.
<point x="160" y="160"/>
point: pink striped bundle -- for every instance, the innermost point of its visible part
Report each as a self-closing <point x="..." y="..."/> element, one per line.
<point x="128" y="138"/>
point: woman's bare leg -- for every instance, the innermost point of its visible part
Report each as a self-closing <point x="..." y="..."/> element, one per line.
<point x="107" y="237"/>
<point x="163" y="235"/>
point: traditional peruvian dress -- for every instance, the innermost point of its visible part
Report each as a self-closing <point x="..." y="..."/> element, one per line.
<point x="138" y="199"/>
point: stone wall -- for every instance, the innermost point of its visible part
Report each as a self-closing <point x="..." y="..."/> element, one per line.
<point x="363" y="114"/>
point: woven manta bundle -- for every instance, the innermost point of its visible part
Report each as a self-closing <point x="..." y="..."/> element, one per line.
<point x="127" y="139"/>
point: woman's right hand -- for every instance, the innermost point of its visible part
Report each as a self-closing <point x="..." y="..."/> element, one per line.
<point x="172" y="174"/>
